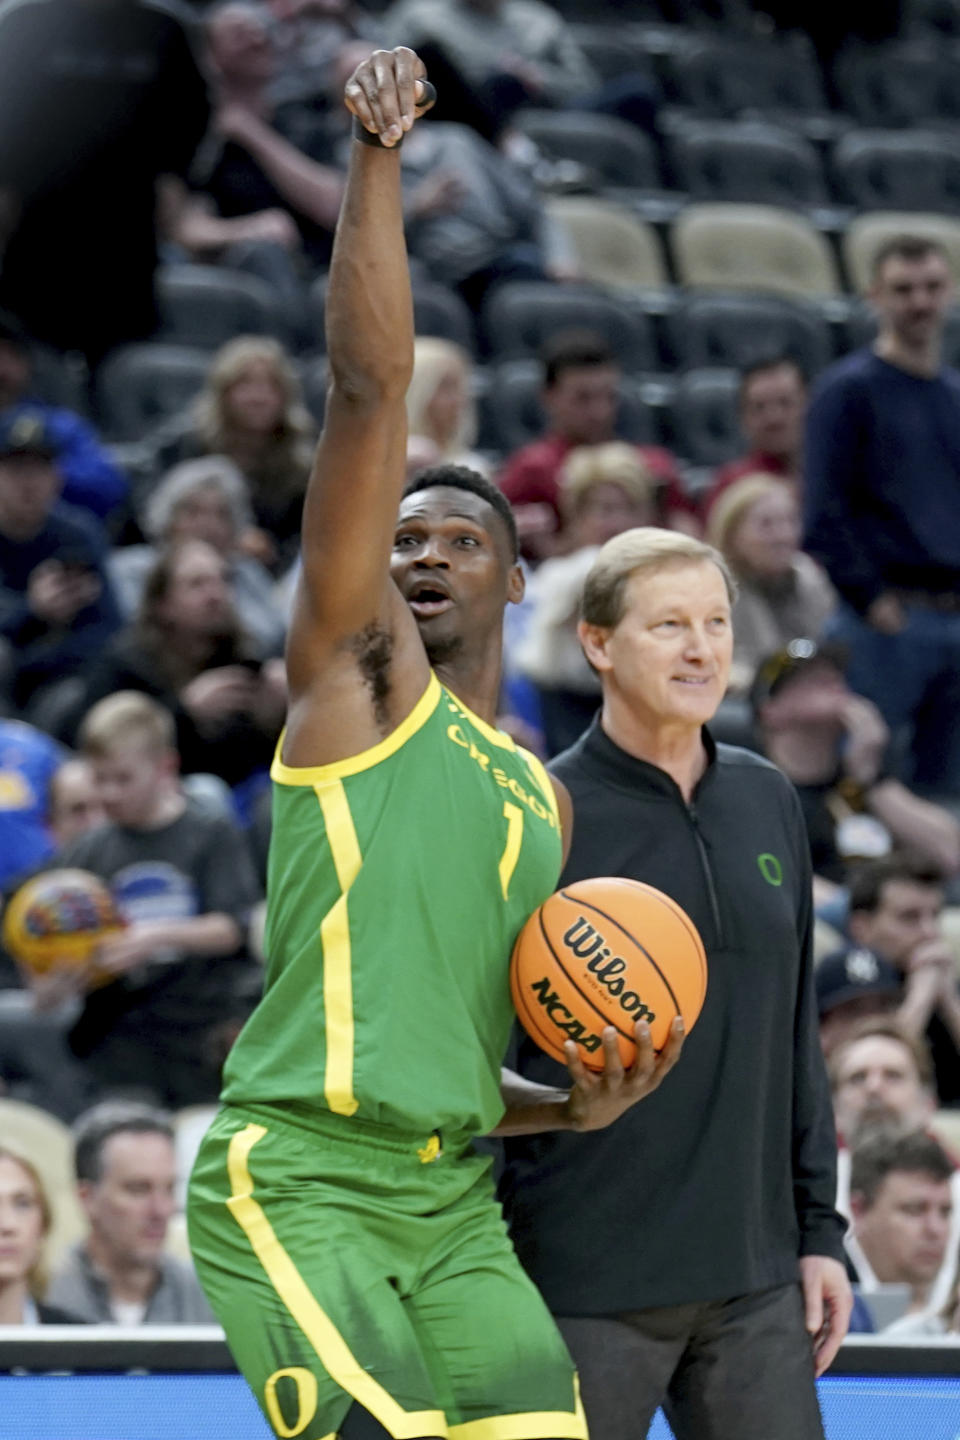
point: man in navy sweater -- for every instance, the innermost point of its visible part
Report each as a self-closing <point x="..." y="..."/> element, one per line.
<point x="882" y="509"/>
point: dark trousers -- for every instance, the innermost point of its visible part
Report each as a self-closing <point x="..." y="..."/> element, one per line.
<point x="732" y="1370"/>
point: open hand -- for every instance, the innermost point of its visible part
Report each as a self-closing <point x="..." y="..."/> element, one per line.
<point x="386" y="92"/>
<point x="597" y="1099"/>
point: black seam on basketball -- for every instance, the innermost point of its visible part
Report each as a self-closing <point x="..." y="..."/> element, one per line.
<point x="679" y="914"/>
<point x="576" y="900"/>
<point x="625" y="1034"/>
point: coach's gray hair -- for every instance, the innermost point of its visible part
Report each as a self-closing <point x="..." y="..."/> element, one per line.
<point x="643" y="550"/>
<point x="209" y="472"/>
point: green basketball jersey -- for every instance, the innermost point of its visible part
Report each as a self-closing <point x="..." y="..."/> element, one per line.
<point x="398" y="881"/>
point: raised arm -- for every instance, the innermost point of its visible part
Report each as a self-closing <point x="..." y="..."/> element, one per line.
<point x="356" y="666"/>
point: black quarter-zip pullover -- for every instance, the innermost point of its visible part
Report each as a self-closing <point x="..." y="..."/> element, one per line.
<point x="713" y="1186"/>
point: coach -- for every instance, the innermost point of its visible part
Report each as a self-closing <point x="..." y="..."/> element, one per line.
<point x="692" y="1252"/>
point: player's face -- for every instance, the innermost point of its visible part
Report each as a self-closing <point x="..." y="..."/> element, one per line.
<point x="908" y="915"/>
<point x="22" y="1227"/>
<point x="912" y="298"/>
<point x="128" y="781"/>
<point x="876" y="1080"/>
<point x="668" y="660"/>
<point x="904" y="1233"/>
<point x="130" y="1206"/>
<point x="582" y="404"/>
<point x="452" y="566"/>
<point x="772" y="411"/>
<point x="766" y="540"/>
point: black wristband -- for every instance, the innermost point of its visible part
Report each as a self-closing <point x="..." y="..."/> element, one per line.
<point x="370" y="137"/>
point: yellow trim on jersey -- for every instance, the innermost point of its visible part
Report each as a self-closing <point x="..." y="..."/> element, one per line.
<point x="285" y="774"/>
<point x="334" y="1352"/>
<point x="500" y="738"/>
<point x="539" y="772"/>
<point x="557" y="1424"/>
<point x="337" y="954"/>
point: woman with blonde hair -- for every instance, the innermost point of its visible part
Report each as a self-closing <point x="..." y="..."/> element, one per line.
<point x="25" y="1221"/>
<point x="251" y="410"/>
<point x="440" y="405"/>
<point x="783" y="594"/>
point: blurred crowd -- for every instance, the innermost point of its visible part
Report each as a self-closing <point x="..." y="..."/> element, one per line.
<point x="169" y="188"/>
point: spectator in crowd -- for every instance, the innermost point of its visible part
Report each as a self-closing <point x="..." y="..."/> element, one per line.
<point x="902" y="1207"/>
<point x="91" y="479"/>
<point x="183" y="882"/>
<point x="782" y="593"/>
<point x="251" y="410"/>
<point x="204" y="499"/>
<point x="854" y="988"/>
<point x="773" y="408"/>
<point x="581" y="397"/>
<point x="29" y="760"/>
<point x="308" y="37"/>
<point x="832" y="744"/>
<point x="99" y="103"/>
<point x="259" y="200"/>
<point x="187" y="650"/>
<point x="126" y="1174"/>
<point x="605" y="489"/>
<point x="882" y="492"/>
<point x="895" y="917"/>
<point x="25" y="1219"/>
<point x="57" y="609"/>
<point x="490" y="57"/>
<point x="440" y="405"/>
<point x="75" y="806"/>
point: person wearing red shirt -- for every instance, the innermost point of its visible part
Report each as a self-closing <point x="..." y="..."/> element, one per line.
<point x="773" y="408"/>
<point x="581" y="396"/>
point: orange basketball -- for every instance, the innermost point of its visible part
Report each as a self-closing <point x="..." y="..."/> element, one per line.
<point x="606" y="952"/>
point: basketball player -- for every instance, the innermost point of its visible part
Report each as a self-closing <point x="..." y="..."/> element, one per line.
<point x="343" y="1227"/>
<point x="692" y="1252"/>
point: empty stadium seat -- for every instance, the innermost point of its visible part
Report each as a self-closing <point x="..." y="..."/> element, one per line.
<point x="866" y="233"/>
<point x="141" y="385"/>
<point x="726" y="77"/>
<point x="613" y="153"/>
<point x="205" y="306"/>
<point x="613" y="50"/>
<point x="436" y="311"/>
<point x="752" y="247"/>
<point x="519" y="317"/>
<point x="613" y="246"/>
<point x="895" y="86"/>
<point x="746" y="161"/>
<point x="912" y="170"/>
<point x="704" y="416"/>
<point x="737" y="330"/>
<point x="511" y="414"/>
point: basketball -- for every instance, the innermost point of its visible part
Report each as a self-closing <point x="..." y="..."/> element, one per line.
<point x="606" y="952"/>
<point x="58" y="919"/>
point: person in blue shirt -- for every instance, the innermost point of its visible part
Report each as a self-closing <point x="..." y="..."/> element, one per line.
<point x="882" y="509"/>
<point x="91" y="479"/>
<point x="29" y="759"/>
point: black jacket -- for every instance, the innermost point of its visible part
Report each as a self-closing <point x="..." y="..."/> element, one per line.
<point x="713" y="1186"/>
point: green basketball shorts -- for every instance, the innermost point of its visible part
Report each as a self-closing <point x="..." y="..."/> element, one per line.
<point x="348" y="1263"/>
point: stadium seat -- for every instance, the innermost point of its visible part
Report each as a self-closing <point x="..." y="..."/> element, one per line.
<point x="436" y="311"/>
<point x="931" y="19"/>
<point x="736" y="330"/>
<point x="48" y="1144"/>
<point x="205" y="306"/>
<point x="519" y="317"/>
<point x="141" y="385"/>
<point x="704" y="419"/>
<point x="866" y="233"/>
<point x="614" y="50"/>
<point x="893" y="87"/>
<point x="715" y="75"/>
<point x="910" y="170"/>
<point x="511" y="414"/>
<point x="752" y="247"/>
<point x="613" y="153"/>
<point x="613" y="246"/>
<point x="746" y="160"/>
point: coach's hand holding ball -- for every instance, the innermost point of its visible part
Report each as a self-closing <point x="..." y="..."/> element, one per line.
<point x="386" y="94"/>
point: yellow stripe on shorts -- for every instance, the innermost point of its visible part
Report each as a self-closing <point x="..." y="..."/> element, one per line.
<point x="333" y="1351"/>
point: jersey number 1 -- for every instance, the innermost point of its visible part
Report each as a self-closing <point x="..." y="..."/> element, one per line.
<point x="511" y="851"/>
